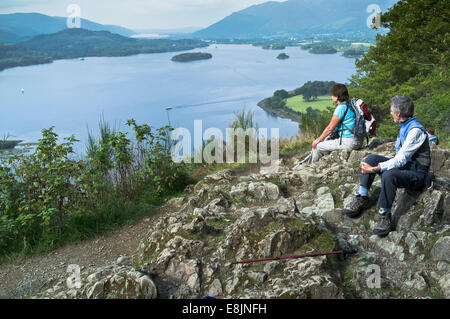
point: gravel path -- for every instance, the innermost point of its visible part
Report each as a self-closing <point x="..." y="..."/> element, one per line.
<point x="26" y="276"/>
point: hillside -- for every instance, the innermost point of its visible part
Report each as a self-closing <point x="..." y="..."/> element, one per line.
<point x="80" y="42"/>
<point x="298" y="18"/>
<point x="188" y="251"/>
<point x="73" y="43"/>
<point x="18" y="27"/>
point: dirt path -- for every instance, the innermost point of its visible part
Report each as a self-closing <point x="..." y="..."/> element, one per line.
<point x="27" y="276"/>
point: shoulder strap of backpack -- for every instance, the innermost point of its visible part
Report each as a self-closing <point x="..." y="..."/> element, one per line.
<point x="342" y="121"/>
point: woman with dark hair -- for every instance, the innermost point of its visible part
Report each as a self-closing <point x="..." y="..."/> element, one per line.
<point x="341" y="125"/>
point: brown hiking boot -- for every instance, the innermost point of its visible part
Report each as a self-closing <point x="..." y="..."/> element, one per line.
<point x="384" y="225"/>
<point x="358" y="205"/>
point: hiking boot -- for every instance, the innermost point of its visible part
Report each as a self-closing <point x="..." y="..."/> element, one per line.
<point x="358" y="205"/>
<point x="429" y="180"/>
<point x="384" y="225"/>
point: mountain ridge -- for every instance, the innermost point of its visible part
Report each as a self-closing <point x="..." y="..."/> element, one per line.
<point x="19" y="27"/>
<point x="301" y="18"/>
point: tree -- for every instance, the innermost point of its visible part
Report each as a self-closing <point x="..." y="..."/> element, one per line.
<point x="282" y="94"/>
<point x="412" y="59"/>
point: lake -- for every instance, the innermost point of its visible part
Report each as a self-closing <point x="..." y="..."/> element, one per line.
<point x="73" y="95"/>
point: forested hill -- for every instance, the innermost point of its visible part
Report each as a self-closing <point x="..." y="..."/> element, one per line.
<point x="81" y="42"/>
<point x="73" y="43"/>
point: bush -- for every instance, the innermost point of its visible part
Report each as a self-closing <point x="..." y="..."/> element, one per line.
<point x="48" y="198"/>
<point x="314" y="122"/>
<point x="38" y="190"/>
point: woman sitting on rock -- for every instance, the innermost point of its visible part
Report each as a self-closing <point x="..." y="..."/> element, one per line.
<point x="341" y="124"/>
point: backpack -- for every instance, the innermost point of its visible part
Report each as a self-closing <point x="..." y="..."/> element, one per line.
<point x="365" y="123"/>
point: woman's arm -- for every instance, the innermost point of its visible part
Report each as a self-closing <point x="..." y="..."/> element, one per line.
<point x="327" y="131"/>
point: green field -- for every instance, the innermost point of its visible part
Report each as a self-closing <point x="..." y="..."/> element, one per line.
<point x="297" y="103"/>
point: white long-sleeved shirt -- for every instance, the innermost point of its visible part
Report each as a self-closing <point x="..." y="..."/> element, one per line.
<point x="413" y="142"/>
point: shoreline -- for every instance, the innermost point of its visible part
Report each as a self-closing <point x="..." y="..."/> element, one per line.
<point x="279" y="112"/>
<point x="52" y="59"/>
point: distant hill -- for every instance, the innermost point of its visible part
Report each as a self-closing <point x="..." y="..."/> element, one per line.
<point x="75" y="43"/>
<point x="17" y="27"/>
<point x="71" y="43"/>
<point x="9" y="37"/>
<point x="301" y="18"/>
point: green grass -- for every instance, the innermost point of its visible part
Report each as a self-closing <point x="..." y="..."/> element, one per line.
<point x="297" y="103"/>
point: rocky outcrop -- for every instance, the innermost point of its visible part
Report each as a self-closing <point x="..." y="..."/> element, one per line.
<point x="189" y="253"/>
<point x="113" y="281"/>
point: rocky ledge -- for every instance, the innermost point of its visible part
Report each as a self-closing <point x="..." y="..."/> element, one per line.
<point x="188" y="253"/>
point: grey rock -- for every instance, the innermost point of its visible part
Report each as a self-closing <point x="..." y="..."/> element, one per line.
<point x="444" y="282"/>
<point x="415" y="240"/>
<point x="441" y="249"/>
<point x="417" y="282"/>
<point x="96" y="291"/>
<point x="261" y="191"/>
<point x="123" y="260"/>
<point x="215" y="288"/>
<point x="148" y="287"/>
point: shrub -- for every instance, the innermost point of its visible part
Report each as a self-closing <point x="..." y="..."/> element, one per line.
<point x="48" y="197"/>
<point x="38" y="190"/>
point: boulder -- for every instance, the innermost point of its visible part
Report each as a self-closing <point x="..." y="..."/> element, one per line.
<point x="441" y="249"/>
<point x="122" y="282"/>
<point x="255" y="191"/>
<point x="444" y="282"/>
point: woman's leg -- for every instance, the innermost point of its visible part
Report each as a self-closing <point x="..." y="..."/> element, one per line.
<point x="327" y="146"/>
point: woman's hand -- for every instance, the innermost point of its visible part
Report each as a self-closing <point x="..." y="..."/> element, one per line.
<point x="314" y="144"/>
<point x="327" y="131"/>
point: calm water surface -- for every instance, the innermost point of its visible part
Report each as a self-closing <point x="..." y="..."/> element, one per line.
<point x="73" y="95"/>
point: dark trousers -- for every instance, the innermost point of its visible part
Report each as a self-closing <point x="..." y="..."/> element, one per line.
<point x="410" y="176"/>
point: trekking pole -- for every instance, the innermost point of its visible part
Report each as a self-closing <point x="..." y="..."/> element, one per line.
<point x="304" y="160"/>
<point x="347" y="249"/>
<point x="286" y="257"/>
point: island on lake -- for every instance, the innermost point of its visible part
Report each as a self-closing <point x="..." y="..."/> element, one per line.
<point x="8" y="145"/>
<point x="282" y="56"/>
<point x="187" y="57"/>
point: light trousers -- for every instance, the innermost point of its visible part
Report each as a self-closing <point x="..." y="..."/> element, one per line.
<point x="327" y="146"/>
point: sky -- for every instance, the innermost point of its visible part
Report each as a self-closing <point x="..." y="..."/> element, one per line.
<point x="137" y="14"/>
